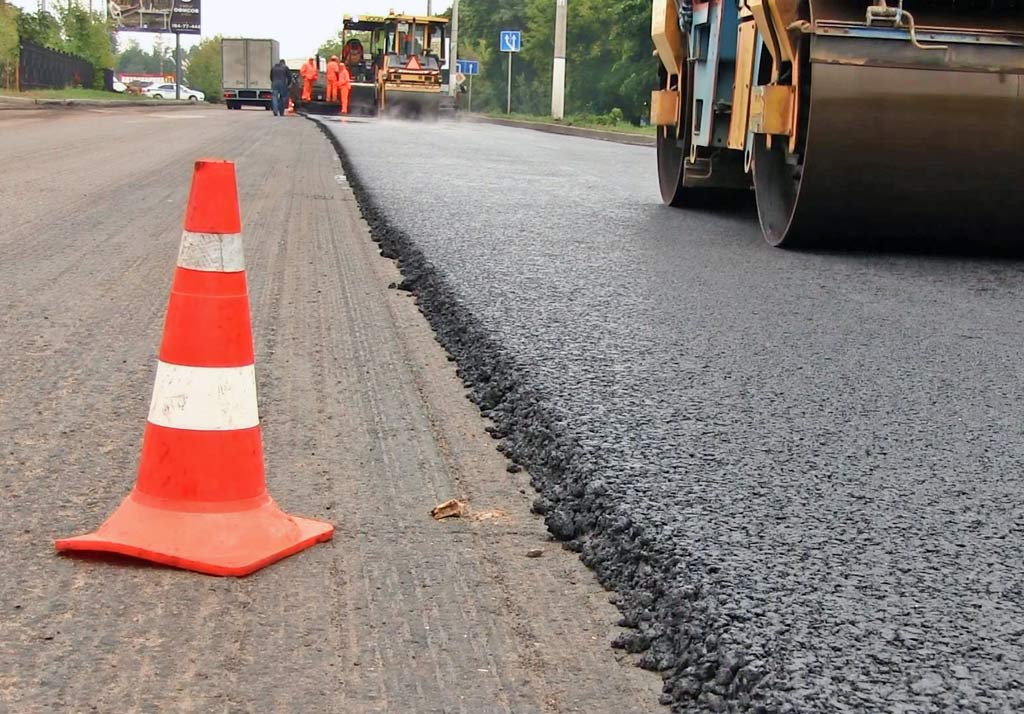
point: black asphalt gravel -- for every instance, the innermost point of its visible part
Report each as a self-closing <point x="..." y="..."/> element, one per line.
<point x="800" y="472"/>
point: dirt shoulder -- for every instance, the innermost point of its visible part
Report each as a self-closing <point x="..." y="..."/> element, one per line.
<point x="365" y="424"/>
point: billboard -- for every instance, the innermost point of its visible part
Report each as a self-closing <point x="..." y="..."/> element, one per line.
<point x="155" y="15"/>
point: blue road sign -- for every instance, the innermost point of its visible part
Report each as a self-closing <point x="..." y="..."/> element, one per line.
<point x="511" y="40"/>
<point x="468" y="67"/>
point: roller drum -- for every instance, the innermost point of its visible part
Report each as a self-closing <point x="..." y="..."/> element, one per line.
<point x="412" y="104"/>
<point x="897" y="152"/>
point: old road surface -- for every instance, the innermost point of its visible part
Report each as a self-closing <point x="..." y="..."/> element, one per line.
<point x="801" y="471"/>
<point x="365" y="425"/>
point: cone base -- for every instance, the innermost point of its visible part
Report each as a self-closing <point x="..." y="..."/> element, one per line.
<point x="234" y="543"/>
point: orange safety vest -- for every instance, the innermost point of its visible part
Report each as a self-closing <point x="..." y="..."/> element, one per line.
<point x="345" y="77"/>
<point x="310" y="72"/>
<point x="333" y="70"/>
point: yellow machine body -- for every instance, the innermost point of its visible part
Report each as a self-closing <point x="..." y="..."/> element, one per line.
<point x="406" y="54"/>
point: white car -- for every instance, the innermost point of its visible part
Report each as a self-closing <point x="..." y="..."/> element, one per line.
<point x="166" y="91"/>
<point x="119" y="87"/>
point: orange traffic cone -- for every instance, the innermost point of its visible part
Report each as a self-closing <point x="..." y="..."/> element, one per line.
<point x="291" y="106"/>
<point x="200" y="501"/>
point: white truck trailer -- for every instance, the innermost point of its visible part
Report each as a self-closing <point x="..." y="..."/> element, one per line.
<point x="246" y="67"/>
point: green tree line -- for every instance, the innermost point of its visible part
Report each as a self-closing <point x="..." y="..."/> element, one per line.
<point x="203" y="69"/>
<point x="72" y="29"/>
<point x="201" y="64"/>
<point x="608" y="55"/>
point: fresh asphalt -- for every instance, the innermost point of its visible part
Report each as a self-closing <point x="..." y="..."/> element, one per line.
<point x="800" y="471"/>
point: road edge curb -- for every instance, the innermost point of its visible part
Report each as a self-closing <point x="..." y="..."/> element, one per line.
<point x="585" y="133"/>
<point x="667" y="633"/>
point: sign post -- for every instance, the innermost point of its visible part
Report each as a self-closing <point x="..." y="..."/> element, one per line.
<point x="510" y="41"/>
<point x="177" y="16"/>
<point x="468" y="68"/>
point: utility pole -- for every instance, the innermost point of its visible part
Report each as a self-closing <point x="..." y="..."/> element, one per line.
<point x="453" y="52"/>
<point x="430" y="9"/>
<point x="558" y="71"/>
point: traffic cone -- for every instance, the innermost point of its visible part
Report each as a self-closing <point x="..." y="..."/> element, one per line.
<point x="291" y="106"/>
<point x="200" y="501"/>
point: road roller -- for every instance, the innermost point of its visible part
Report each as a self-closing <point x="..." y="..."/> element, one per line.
<point x="849" y="119"/>
<point x="400" y="61"/>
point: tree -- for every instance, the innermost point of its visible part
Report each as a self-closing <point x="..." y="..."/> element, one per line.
<point x="333" y="46"/>
<point x="161" y="54"/>
<point x="609" y="66"/>
<point x="9" y="49"/>
<point x="133" y="59"/>
<point x="480" y="23"/>
<point x="40" y="28"/>
<point x="204" y="68"/>
<point x="87" y="34"/>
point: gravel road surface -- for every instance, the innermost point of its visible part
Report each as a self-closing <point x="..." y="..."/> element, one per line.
<point x="365" y="425"/>
<point x="800" y="471"/>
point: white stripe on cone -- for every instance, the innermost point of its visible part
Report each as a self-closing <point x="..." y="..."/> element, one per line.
<point x="211" y="252"/>
<point x="204" y="398"/>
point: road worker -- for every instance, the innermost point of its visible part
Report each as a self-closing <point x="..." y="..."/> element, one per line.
<point x="309" y="73"/>
<point x="333" y="72"/>
<point x="280" y="81"/>
<point x="412" y="45"/>
<point x="344" y="86"/>
<point x="352" y="53"/>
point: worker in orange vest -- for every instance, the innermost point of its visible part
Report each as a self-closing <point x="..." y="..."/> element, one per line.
<point x="344" y="86"/>
<point x="333" y="71"/>
<point x="309" y="73"/>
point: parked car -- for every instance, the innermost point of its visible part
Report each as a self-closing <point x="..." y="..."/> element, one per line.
<point x="166" y="91"/>
<point x="119" y="87"/>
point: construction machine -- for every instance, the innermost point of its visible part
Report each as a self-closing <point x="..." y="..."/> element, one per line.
<point x="849" y="118"/>
<point x="396" y="62"/>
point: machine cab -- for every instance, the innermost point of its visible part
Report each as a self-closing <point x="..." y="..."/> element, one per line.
<point x="394" y="43"/>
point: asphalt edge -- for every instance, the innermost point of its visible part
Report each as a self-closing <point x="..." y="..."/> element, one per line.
<point x="617" y="137"/>
<point x="673" y="631"/>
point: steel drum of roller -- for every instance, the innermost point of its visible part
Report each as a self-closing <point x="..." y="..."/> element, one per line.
<point x="891" y="152"/>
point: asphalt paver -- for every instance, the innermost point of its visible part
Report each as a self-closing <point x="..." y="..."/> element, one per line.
<point x="365" y="424"/>
<point x="801" y="471"/>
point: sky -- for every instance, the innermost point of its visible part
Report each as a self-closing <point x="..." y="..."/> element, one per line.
<point x="299" y="25"/>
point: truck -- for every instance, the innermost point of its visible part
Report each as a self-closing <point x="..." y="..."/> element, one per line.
<point x="850" y="119"/>
<point x="246" y="65"/>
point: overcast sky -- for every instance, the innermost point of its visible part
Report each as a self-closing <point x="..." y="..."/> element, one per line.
<point x="299" y="25"/>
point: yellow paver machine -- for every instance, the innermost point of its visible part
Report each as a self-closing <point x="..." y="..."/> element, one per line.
<point x="850" y="118"/>
<point x="395" y="62"/>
